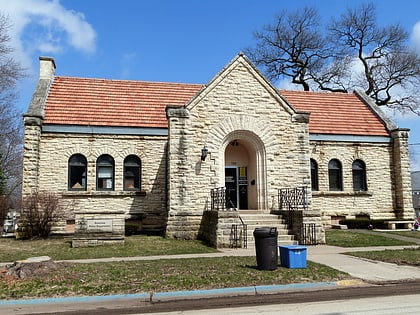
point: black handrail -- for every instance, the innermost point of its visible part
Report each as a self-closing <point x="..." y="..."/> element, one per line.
<point x="245" y="233"/>
<point x="308" y="234"/>
<point x="239" y="232"/>
<point x="218" y="198"/>
<point x="293" y="198"/>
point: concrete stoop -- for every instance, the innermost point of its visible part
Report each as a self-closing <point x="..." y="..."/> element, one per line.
<point x="254" y="219"/>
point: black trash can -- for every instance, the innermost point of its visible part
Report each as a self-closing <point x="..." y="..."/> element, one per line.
<point x="266" y="248"/>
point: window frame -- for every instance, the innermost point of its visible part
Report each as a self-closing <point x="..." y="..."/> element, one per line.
<point x="75" y="176"/>
<point x="359" y="175"/>
<point x="314" y="175"/>
<point x="105" y="164"/>
<point x="335" y="175"/>
<point x="132" y="163"/>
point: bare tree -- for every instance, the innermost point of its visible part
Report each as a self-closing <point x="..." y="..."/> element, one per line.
<point x="11" y="131"/>
<point x="354" y="53"/>
<point x="292" y="48"/>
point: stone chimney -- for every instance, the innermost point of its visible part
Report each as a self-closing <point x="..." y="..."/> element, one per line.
<point x="46" y="67"/>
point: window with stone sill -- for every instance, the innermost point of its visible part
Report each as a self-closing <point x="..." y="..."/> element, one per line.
<point x="77" y="170"/>
<point x="132" y="173"/>
<point x="359" y="175"/>
<point x="105" y="172"/>
<point x="335" y="175"/>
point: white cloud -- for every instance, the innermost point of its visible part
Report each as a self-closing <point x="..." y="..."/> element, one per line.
<point x="44" y="27"/>
<point x="415" y="36"/>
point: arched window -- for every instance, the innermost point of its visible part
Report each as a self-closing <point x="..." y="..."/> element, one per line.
<point x="314" y="175"/>
<point x="77" y="170"/>
<point x="335" y="176"/>
<point x="132" y="173"/>
<point x="105" y="172"/>
<point x="359" y="175"/>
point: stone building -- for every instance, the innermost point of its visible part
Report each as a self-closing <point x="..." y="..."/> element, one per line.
<point x="199" y="161"/>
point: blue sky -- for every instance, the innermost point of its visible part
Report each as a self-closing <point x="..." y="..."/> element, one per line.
<point x="164" y="40"/>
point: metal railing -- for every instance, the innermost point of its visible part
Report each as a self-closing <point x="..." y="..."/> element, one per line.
<point x="218" y="198"/>
<point x="308" y="234"/>
<point x="239" y="235"/>
<point x="293" y="198"/>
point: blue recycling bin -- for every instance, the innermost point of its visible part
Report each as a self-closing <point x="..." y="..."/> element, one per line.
<point x="293" y="256"/>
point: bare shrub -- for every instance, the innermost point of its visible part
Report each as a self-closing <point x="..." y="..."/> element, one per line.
<point x="40" y="211"/>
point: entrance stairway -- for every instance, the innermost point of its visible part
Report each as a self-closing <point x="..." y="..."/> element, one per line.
<point x="256" y="219"/>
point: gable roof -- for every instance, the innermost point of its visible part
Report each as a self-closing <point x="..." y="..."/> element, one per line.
<point x="116" y="103"/>
<point x="122" y="103"/>
<point x="337" y="113"/>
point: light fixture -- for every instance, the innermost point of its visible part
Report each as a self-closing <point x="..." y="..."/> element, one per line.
<point x="204" y="152"/>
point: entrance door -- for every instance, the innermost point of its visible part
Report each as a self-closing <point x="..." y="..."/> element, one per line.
<point x="236" y="182"/>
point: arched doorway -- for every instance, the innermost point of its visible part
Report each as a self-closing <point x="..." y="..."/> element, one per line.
<point x="252" y="137"/>
<point x="241" y="173"/>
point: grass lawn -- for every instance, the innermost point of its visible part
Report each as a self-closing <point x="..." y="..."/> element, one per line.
<point x="350" y="238"/>
<point x="406" y="256"/>
<point x="60" y="248"/>
<point x="169" y="274"/>
<point x="142" y="276"/>
<point x="412" y="234"/>
<point x="160" y="276"/>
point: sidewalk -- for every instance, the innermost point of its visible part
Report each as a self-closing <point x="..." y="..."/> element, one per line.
<point x="364" y="269"/>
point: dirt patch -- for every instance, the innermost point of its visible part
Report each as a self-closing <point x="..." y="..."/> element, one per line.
<point x="31" y="267"/>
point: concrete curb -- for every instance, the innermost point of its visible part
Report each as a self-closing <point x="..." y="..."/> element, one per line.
<point x="178" y="295"/>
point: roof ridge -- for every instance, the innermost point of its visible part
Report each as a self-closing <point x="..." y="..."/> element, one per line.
<point x="127" y="80"/>
<point x="317" y="92"/>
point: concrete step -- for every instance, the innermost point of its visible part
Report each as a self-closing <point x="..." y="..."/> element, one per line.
<point x="257" y="219"/>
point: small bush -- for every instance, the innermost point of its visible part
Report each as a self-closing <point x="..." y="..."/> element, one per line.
<point x="364" y="223"/>
<point x="131" y="229"/>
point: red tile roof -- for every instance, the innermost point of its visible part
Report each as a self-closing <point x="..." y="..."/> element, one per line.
<point x="337" y="113"/>
<point x="119" y="103"/>
<point x="101" y="102"/>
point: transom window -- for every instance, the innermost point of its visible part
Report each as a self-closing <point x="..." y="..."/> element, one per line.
<point x="77" y="169"/>
<point x="132" y="173"/>
<point x="335" y="175"/>
<point x="105" y="172"/>
<point x="359" y="175"/>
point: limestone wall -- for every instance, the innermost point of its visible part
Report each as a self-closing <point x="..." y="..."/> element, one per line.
<point x="56" y="149"/>
<point x="379" y="201"/>
<point x="237" y="105"/>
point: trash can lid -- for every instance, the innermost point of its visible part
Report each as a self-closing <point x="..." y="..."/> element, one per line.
<point x="265" y="231"/>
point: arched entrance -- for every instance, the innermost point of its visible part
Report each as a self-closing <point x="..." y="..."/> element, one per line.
<point x="252" y="137"/>
<point x="243" y="171"/>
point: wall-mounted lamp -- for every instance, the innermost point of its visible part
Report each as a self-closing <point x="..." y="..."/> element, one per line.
<point x="204" y="152"/>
